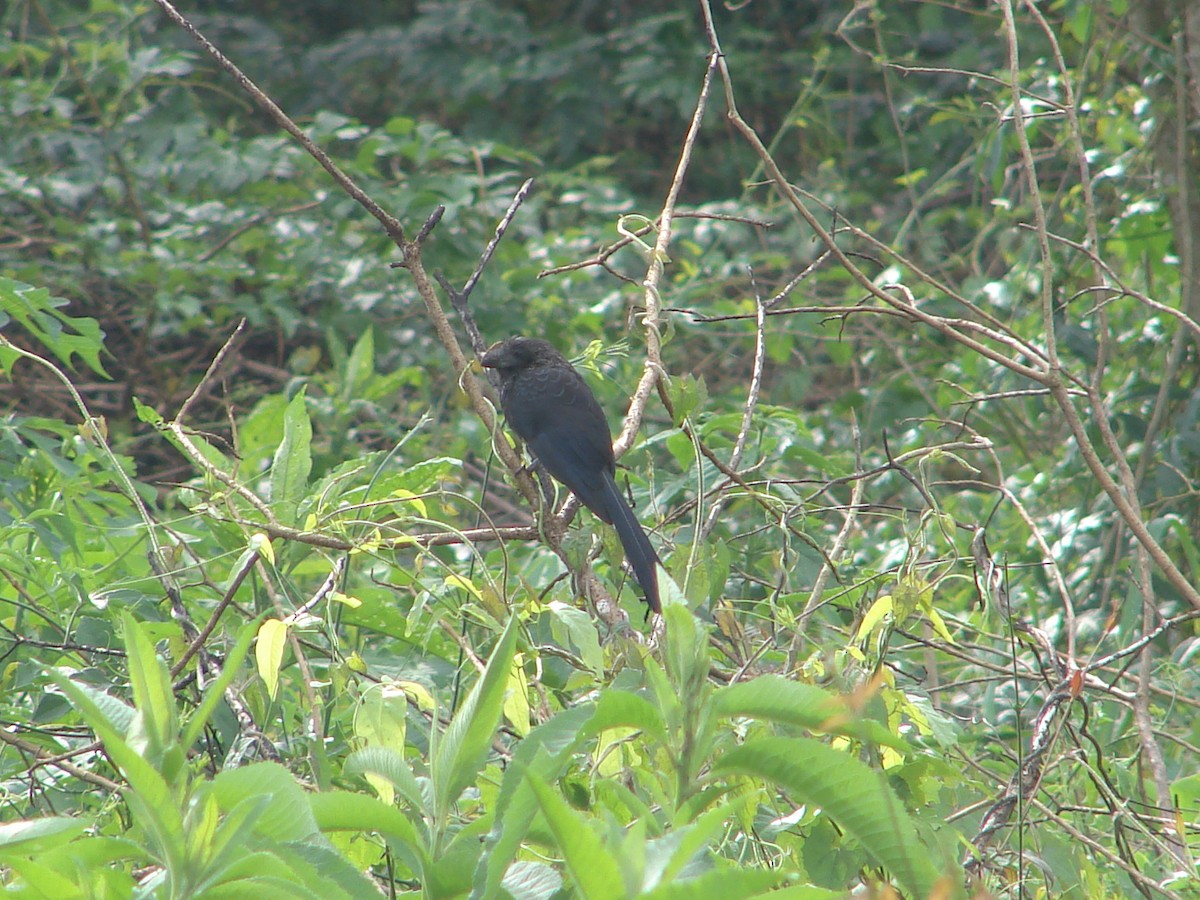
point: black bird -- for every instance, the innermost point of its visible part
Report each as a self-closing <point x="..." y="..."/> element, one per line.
<point x="551" y="408"/>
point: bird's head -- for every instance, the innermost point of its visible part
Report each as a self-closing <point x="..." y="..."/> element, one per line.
<point x="516" y="353"/>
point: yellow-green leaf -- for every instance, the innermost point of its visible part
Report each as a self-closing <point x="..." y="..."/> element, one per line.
<point x="268" y="652"/>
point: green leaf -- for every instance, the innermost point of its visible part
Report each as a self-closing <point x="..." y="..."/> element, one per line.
<point x="152" y="691"/>
<point x="37" y="835"/>
<point x="575" y="629"/>
<point x="42" y="882"/>
<point x="327" y="871"/>
<point x="292" y="463"/>
<point x="147" y="414"/>
<point x="687" y="656"/>
<point x="678" y="847"/>
<point x="622" y="709"/>
<point x="391" y="765"/>
<point x="40" y="314"/>
<point x="728" y="884"/>
<point x="528" y="880"/>
<point x="856" y="797"/>
<point x="112" y="711"/>
<point x="777" y="699"/>
<point x="463" y="748"/>
<point x="360" y="367"/>
<point x="546" y="750"/>
<point x="288" y="817"/>
<point x="224" y="841"/>
<point x="92" y="853"/>
<point x="381" y="723"/>
<point x="152" y="417"/>
<point x="1185" y="793"/>
<point x="688" y="395"/>
<point x="450" y="874"/>
<point x="593" y="868"/>
<point x="344" y="811"/>
<point x="152" y="801"/>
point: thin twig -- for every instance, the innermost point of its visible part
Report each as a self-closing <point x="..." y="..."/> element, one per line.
<point x="196" y="645"/>
<point x="460" y="300"/>
<point x="45" y="758"/>
<point x="211" y="373"/>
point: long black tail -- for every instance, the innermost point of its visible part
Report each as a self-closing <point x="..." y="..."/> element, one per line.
<point x="638" y="549"/>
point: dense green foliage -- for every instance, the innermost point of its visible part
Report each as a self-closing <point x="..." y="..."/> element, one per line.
<point x="920" y="458"/>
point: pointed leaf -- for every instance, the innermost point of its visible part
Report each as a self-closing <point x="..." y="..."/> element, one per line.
<point x="728" y="884"/>
<point x="387" y="763"/>
<point x="463" y="748"/>
<point x="593" y="868"/>
<point x="293" y="461"/>
<point x="151" y="799"/>
<point x="287" y="817"/>
<point x="858" y="798"/>
<point x="344" y="811"/>
<point x="778" y="699"/>
<point x="546" y="751"/>
<point x="268" y="652"/>
<point x="152" y="692"/>
<point x="37" y="835"/>
<point x="40" y="313"/>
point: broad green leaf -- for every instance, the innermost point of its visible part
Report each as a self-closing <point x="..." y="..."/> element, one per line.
<point x="575" y="629"/>
<point x="686" y="657"/>
<point x="389" y="764"/>
<point x="92" y="852"/>
<point x="593" y="867"/>
<point x="114" y="712"/>
<point x="463" y="748"/>
<point x="40" y="881"/>
<point x="516" y="697"/>
<point x="546" y="751"/>
<point x="344" y="811"/>
<point x="292" y="463"/>
<point x="224" y="840"/>
<point x="689" y="394"/>
<point x="856" y="797"/>
<point x="152" y="691"/>
<point x="326" y="870"/>
<point x="381" y="716"/>
<point x="528" y="880"/>
<point x="450" y="874"/>
<point x="777" y="699"/>
<point x="728" y="884"/>
<point x="360" y="367"/>
<point x="37" y="835"/>
<point x="680" y="846"/>
<point x="1185" y="793"/>
<point x="287" y="817"/>
<point x="381" y="722"/>
<point x="259" y="431"/>
<point x="154" y="805"/>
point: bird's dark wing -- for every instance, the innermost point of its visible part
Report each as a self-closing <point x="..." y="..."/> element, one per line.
<point x="555" y="413"/>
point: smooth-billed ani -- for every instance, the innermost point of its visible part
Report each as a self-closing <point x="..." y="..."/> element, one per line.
<point x="551" y="408"/>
